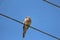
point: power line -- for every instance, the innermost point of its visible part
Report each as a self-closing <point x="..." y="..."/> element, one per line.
<point x="52" y="3"/>
<point x="30" y="26"/>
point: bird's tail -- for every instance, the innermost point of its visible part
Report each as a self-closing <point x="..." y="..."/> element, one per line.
<point x="24" y="33"/>
<point x="24" y="30"/>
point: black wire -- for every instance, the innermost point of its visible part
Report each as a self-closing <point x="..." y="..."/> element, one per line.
<point x="52" y="3"/>
<point x="45" y="33"/>
<point x="30" y="26"/>
<point x="10" y="18"/>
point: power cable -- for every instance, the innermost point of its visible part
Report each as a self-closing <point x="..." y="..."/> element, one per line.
<point x="30" y="27"/>
<point x="52" y="3"/>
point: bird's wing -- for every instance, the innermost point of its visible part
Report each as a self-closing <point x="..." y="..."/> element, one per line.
<point x="24" y="30"/>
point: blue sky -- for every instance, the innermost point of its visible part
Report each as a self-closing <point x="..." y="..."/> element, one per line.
<point x="44" y="17"/>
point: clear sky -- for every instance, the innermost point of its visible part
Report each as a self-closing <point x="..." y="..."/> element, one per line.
<point x="43" y="15"/>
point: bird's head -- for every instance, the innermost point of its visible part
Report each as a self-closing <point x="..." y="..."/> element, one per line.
<point x="28" y="18"/>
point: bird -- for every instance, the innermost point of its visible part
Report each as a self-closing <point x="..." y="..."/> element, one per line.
<point x="26" y="25"/>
